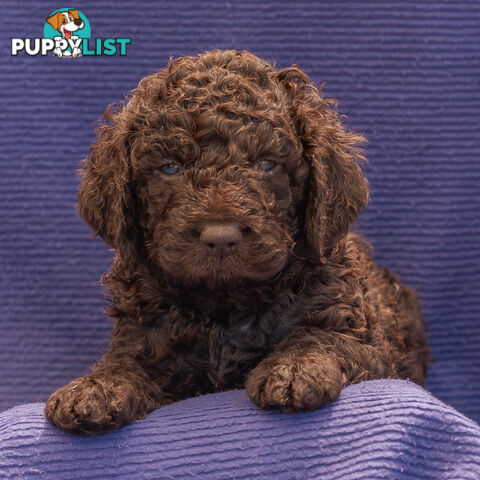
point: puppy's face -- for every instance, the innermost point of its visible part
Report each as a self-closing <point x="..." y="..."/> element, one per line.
<point x="221" y="185"/>
<point x="66" y="22"/>
<point x="219" y="165"/>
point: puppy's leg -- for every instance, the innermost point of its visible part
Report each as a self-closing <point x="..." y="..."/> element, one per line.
<point x="113" y="395"/>
<point x="310" y="367"/>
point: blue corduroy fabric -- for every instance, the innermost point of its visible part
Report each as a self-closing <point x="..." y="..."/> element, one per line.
<point x="384" y="429"/>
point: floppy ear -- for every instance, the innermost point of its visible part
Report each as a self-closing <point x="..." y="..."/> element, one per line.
<point x="105" y="198"/>
<point x="74" y="14"/>
<point x="337" y="189"/>
<point x="54" y="20"/>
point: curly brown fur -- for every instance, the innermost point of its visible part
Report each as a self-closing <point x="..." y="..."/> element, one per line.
<point x="227" y="189"/>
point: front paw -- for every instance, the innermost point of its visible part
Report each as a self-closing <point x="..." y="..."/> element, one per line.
<point x="90" y="405"/>
<point x="295" y="384"/>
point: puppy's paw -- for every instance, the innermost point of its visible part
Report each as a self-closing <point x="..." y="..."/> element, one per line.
<point x="302" y="383"/>
<point x="91" y="404"/>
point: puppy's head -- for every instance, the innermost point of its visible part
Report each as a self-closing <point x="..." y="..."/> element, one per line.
<point x="64" y="22"/>
<point x="218" y="167"/>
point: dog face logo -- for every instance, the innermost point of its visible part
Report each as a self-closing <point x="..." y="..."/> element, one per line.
<point x="67" y="27"/>
<point x="66" y="34"/>
<point x="66" y="22"/>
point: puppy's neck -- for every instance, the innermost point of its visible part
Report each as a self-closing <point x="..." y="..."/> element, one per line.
<point x="151" y="292"/>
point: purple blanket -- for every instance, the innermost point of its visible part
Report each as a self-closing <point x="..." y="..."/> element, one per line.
<point x="387" y="429"/>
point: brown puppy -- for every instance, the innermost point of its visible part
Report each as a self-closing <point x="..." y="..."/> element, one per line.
<point x="227" y="189"/>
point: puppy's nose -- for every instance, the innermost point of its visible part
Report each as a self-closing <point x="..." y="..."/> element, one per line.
<point x="221" y="239"/>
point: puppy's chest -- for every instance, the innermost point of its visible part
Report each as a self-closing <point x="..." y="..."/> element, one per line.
<point x="244" y="330"/>
<point x="232" y="338"/>
<point x="202" y="352"/>
<point x="231" y="342"/>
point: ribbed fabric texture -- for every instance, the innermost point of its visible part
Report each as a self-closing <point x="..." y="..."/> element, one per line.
<point x="387" y="429"/>
<point x="406" y="74"/>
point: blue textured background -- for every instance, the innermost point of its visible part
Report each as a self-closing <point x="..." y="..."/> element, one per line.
<point x="407" y="75"/>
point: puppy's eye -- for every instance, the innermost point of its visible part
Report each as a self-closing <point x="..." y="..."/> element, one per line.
<point x="170" y="169"/>
<point x="265" y="165"/>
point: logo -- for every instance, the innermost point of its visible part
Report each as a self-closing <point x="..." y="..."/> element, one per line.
<point x="67" y="34"/>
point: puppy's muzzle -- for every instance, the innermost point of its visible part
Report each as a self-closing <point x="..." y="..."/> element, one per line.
<point x="221" y="239"/>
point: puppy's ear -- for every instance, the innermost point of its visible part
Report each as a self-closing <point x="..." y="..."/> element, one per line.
<point x="74" y="14"/>
<point x="337" y="189"/>
<point x="55" y="20"/>
<point x="105" y="199"/>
